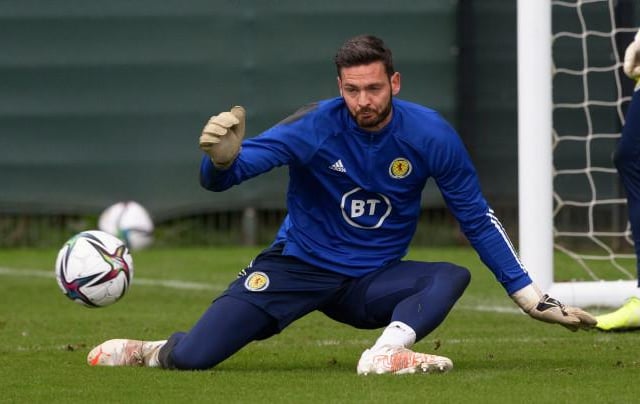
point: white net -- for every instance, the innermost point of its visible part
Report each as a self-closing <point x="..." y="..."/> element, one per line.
<point x="590" y="95"/>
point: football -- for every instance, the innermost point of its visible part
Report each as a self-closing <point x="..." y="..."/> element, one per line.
<point x="94" y="268"/>
<point x="130" y="222"/>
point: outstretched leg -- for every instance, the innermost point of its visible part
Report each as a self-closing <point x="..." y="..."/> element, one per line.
<point x="228" y="325"/>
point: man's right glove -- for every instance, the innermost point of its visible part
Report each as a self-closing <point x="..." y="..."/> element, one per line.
<point x="547" y="309"/>
<point x="222" y="136"/>
<point x="631" y="64"/>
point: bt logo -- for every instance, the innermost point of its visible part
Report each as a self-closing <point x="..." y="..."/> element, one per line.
<point x="365" y="210"/>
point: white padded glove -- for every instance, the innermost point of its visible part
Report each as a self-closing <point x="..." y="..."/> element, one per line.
<point x="547" y="309"/>
<point x="222" y="136"/>
<point x="631" y="63"/>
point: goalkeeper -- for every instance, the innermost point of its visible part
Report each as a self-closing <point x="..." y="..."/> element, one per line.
<point x="358" y="164"/>
<point x="627" y="161"/>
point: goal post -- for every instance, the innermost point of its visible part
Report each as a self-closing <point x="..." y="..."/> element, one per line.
<point x="535" y="200"/>
<point x="540" y="204"/>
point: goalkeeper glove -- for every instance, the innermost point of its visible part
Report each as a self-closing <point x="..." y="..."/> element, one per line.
<point x="222" y="136"/>
<point x="547" y="309"/>
<point x="631" y="63"/>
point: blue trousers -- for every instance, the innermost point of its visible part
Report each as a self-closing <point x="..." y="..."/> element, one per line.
<point x="277" y="290"/>
<point x="627" y="161"/>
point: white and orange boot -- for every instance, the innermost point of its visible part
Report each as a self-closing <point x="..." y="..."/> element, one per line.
<point x="126" y="352"/>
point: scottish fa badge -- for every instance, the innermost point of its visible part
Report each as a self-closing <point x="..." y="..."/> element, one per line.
<point x="256" y="281"/>
<point x="400" y="168"/>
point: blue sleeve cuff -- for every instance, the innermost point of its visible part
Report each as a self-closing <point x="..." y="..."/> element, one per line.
<point x="514" y="285"/>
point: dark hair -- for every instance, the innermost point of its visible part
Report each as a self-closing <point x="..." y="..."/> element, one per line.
<point x="363" y="50"/>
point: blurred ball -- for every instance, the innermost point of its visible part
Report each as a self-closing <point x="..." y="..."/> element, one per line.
<point x="130" y="222"/>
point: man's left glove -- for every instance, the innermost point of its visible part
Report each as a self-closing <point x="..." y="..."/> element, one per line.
<point x="547" y="309"/>
<point x="631" y="63"/>
<point x="222" y="136"/>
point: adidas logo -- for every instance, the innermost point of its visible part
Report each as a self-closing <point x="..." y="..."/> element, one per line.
<point x="337" y="166"/>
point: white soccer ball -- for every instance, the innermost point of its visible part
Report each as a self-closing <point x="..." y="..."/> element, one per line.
<point x="94" y="268"/>
<point x="130" y="222"/>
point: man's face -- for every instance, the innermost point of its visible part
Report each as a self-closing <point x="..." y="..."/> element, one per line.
<point x="367" y="91"/>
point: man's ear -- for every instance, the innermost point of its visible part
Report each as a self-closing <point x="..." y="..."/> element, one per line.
<point x="339" y="85"/>
<point x="395" y="83"/>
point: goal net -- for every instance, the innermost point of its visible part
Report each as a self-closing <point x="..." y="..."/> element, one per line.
<point x="574" y="234"/>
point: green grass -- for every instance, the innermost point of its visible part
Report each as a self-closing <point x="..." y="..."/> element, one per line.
<point x="500" y="356"/>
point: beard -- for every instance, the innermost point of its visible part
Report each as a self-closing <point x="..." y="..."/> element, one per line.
<point x="368" y="118"/>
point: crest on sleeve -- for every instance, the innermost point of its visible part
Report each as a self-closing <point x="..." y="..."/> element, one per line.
<point x="256" y="281"/>
<point x="400" y="168"/>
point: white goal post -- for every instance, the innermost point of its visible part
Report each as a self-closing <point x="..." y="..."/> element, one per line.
<point x="536" y="169"/>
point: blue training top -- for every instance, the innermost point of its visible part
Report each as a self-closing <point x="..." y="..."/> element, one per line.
<point x="354" y="196"/>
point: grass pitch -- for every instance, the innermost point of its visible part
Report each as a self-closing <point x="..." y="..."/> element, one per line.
<point x="499" y="354"/>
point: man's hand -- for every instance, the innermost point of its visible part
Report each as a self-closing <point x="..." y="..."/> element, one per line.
<point x="222" y="136"/>
<point x="631" y="64"/>
<point x="547" y="309"/>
